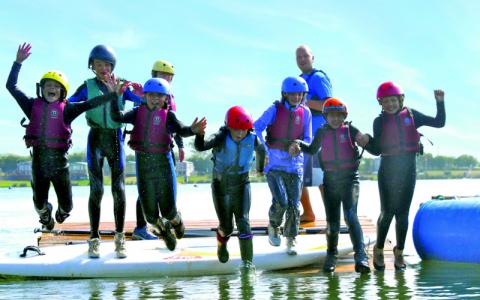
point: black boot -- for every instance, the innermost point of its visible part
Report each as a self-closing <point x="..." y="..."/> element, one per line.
<point x="246" y="251"/>
<point x="222" y="251"/>
<point x="330" y="263"/>
<point x="361" y="262"/>
<point x="46" y="218"/>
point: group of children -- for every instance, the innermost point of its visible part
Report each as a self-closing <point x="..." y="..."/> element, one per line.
<point x="288" y="127"/>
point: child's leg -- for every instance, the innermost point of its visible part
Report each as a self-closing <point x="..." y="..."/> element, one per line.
<point x="332" y="202"/>
<point x="95" y="160"/>
<point x="293" y="184"/>
<point x="350" y="203"/>
<point x="222" y="201"/>
<point x="116" y="160"/>
<point x="168" y="187"/>
<point x="277" y="185"/>
<point x="63" y="188"/>
<point x="242" y="201"/>
<point x="40" y="187"/>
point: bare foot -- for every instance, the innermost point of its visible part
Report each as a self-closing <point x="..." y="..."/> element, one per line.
<point x="307" y="218"/>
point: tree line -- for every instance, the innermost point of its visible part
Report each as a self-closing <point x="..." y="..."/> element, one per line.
<point x="203" y="164"/>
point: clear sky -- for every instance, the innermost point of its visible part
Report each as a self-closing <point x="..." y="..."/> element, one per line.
<point x="238" y="52"/>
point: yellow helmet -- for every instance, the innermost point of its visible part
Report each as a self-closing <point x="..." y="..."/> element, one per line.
<point x="56" y="76"/>
<point x="163" y="66"/>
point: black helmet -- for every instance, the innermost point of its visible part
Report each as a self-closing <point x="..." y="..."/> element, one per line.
<point x="102" y="52"/>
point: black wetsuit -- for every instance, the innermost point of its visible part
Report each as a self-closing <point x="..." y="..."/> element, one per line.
<point x="156" y="179"/>
<point x="104" y="143"/>
<point x="48" y="164"/>
<point x="397" y="177"/>
<point x="341" y="189"/>
<point x="231" y="191"/>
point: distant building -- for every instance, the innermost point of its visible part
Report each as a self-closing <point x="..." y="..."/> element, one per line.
<point x="131" y="168"/>
<point x="79" y="171"/>
<point x="23" y="171"/>
<point x="184" y="168"/>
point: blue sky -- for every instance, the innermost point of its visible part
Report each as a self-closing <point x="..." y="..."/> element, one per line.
<point x="238" y="52"/>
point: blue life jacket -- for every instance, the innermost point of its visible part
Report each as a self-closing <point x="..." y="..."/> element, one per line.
<point x="234" y="158"/>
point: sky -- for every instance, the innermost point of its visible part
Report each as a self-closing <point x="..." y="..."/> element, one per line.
<point x="230" y="53"/>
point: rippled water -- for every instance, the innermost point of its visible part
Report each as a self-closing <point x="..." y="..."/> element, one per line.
<point x="422" y="280"/>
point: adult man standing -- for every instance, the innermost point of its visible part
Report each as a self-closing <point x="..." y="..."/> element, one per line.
<point x="320" y="89"/>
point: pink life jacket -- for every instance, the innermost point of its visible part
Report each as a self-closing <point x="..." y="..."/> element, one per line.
<point x="149" y="132"/>
<point x="287" y="126"/>
<point x="47" y="126"/>
<point x="171" y="103"/>
<point x="338" y="152"/>
<point x="399" y="134"/>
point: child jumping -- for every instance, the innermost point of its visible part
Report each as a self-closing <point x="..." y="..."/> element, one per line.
<point x="285" y="121"/>
<point x="397" y="140"/>
<point x="339" y="159"/>
<point x="151" y="138"/>
<point x="233" y="147"/>
<point x="49" y="135"/>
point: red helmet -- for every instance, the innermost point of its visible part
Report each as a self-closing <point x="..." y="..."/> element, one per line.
<point x="388" y="89"/>
<point x="238" y="118"/>
<point x="333" y="104"/>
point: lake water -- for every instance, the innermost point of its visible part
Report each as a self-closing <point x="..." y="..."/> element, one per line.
<point x="421" y="280"/>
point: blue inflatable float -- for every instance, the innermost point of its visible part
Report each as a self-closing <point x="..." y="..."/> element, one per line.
<point x="448" y="230"/>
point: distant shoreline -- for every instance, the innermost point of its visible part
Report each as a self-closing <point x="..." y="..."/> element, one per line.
<point x="435" y="174"/>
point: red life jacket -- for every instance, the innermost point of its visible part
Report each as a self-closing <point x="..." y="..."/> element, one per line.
<point x="47" y="126"/>
<point x="337" y="151"/>
<point x="287" y="126"/>
<point x="399" y="134"/>
<point x="149" y="132"/>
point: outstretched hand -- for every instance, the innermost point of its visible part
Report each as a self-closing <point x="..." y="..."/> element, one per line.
<point x="137" y="89"/>
<point x="23" y="52"/>
<point x="198" y="127"/>
<point x="115" y="85"/>
<point x="439" y="95"/>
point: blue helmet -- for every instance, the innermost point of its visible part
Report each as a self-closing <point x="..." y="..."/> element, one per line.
<point x="157" y="85"/>
<point x="102" y="52"/>
<point x="294" y="84"/>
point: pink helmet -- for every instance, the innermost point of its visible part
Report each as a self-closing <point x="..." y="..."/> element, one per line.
<point x="388" y="89"/>
<point x="238" y="118"/>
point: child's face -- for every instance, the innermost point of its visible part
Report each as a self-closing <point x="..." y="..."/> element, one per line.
<point x="294" y="99"/>
<point x="336" y="118"/>
<point x="238" y="134"/>
<point x="390" y="104"/>
<point x="155" y="100"/>
<point x="167" y="76"/>
<point x="51" y="90"/>
<point x="102" y="69"/>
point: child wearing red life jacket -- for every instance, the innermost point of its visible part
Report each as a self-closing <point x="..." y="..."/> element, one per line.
<point x="151" y="138"/>
<point x="284" y="122"/>
<point x="397" y="140"/>
<point x="49" y="135"/>
<point x="233" y="152"/>
<point x="339" y="159"/>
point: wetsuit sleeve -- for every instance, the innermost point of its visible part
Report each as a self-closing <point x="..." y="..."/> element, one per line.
<point x="73" y="110"/>
<point x="261" y="124"/>
<point x="80" y="94"/>
<point x="353" y="133"/>
<point x="123" y="117"/>
<point x="175" y="126"/>
<point x="423" y="120"/>
<point x="260" y="154"/>
<point x="178" y="140"/>
<point x="25" y="102"/>
<point x="314" y="146"/>
<point x="129" y="95"/>
<point x="373" y="146"/>
<point x="215" y="140"/>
